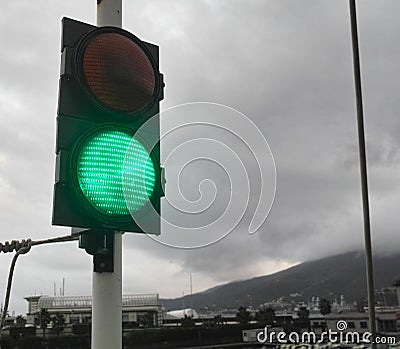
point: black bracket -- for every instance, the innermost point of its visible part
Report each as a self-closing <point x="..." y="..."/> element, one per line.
<point x="99" y="244"/>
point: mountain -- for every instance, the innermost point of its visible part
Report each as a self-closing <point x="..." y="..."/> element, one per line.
<point x="328" y="277"/>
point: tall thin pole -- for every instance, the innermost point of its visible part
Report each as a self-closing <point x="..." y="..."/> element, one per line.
<point x="107" y="287"/>
<point x="363" y="170"/>
<point x="191" y="292"/>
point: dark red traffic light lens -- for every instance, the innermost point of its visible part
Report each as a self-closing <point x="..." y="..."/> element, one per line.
<point x="118" y="72"/>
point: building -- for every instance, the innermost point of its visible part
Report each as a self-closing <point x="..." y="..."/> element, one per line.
<point x="355" y="322"/>
<point x="387" y="321"/>
<point x="137" y="310"/>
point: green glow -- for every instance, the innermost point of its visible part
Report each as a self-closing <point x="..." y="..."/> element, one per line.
<point x="101" y="171"/>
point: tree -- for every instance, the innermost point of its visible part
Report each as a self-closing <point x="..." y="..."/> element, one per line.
<point x="303" y="313"/>
<point x="20" y="320"/>
<point x="58" y="321"/>
<point x="146" y="320"/>
<point x="266" y="316"/>
<point x="325" y="306"/>
<point x="218" y="320"/>
<point x="187" y="321"/>
<point x="44" y="320"/>
<point x="243" y="316"/>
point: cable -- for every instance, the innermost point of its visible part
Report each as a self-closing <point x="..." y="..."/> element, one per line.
<point x="14" y="245"/>
<point x="22" y="250"/>
<point x="22" y="247"/>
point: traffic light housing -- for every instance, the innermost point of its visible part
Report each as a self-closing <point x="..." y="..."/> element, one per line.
<point x="107" y="173"/>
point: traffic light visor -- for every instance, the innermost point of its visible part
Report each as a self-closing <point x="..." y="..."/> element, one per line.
<point x="117" y="71"/>
<point x="106" y="159"/>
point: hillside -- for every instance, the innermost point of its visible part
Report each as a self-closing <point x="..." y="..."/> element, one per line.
<point x="328" y="277"/>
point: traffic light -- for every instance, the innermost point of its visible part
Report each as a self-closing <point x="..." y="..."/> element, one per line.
<point x="106" y="171"/>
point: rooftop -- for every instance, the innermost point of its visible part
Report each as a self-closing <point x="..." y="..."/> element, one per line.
<point x="86" y="301"/>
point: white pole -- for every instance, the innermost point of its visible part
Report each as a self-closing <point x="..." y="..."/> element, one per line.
<point x="107" y="287"/>
<point x="109" y="12"/>
<point x="107" y="304"/>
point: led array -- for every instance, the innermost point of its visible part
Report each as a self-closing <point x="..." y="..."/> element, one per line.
<point x="111" y="162"/>
<point x="118" y="72"/>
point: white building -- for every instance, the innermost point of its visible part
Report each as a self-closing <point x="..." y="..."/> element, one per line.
<point x="77" y="310"/>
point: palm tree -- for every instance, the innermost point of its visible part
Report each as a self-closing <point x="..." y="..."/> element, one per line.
<point x="303" y="313"/>
<point x="324" y="306"/>
<point x="147" y="320"/>
<point x="20" y="320"/>
<point x="58" y="321"/>
<point x="243" y="317"/>
<point x="266" y="316"/>
<point x="218" y="320"/>
<point x="187" y="321"/>
<point x="44" y="320"/>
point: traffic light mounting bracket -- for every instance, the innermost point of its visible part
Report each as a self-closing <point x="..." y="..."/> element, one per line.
<point x="100" y="244"/>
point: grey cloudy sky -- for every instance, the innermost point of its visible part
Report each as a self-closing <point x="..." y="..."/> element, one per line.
<point x="285" y="64"/>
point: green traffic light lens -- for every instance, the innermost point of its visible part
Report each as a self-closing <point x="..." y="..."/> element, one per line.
<point x="115" y="172"/>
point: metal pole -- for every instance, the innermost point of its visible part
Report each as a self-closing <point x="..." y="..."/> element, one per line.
<point x="107" y="303"/>
<point x="107" y="287"/>
<point x="363" y="171"/>
<point x="109" y="12"/>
